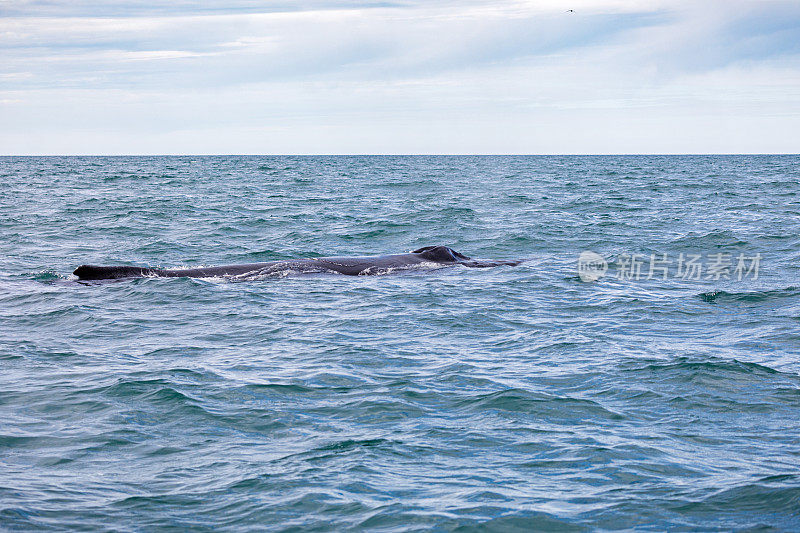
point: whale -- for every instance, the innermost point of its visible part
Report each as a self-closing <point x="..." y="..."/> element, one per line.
<point x="428" y="256"/>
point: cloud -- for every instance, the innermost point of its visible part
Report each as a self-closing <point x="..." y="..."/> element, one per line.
<point x="711" y="35"/>
<point x="127" y="8"/>
<point x="247" y="48"/>
<point x="412" y="73"/>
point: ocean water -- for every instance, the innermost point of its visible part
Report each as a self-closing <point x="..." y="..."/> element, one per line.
<point x="663" y="395"/>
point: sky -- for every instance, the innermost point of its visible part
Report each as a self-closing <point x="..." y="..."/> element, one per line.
<point x="399" y="77"/>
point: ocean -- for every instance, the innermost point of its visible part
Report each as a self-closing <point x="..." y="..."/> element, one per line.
<point x="640" y="370"/>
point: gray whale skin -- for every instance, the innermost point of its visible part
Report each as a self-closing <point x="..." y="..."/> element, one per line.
<point x="351" y="266"/>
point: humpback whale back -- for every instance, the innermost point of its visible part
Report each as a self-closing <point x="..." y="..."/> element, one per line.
<point x="352" y="266"/>
<point x="94" y="272"/>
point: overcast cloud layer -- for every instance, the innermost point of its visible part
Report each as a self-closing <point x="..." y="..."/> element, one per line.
<point x="461" y="76"/>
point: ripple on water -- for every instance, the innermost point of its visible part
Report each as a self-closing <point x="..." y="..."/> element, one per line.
<point x="455" y="399"/>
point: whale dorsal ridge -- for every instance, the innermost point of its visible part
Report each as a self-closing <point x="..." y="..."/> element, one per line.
<point x="440" y="254"/>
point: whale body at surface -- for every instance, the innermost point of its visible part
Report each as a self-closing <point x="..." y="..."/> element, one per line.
<point x="351" y="266"/>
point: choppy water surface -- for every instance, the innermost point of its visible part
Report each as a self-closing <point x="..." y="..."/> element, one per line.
<point x="458" y="399"/>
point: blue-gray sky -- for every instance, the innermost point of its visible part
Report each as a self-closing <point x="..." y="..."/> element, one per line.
<point x="399" y="76"/>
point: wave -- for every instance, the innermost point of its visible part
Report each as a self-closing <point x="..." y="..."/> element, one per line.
<point x="47" y="276"/>
<point x="713" y="239"/>
<point x="778" y="494"/>
<point x="715" y="367"/>
<point x="749" y="296"/>
<point x="523" y="401"/>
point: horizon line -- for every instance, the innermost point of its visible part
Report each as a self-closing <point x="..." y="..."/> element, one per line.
<point x="619" y="154"/>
